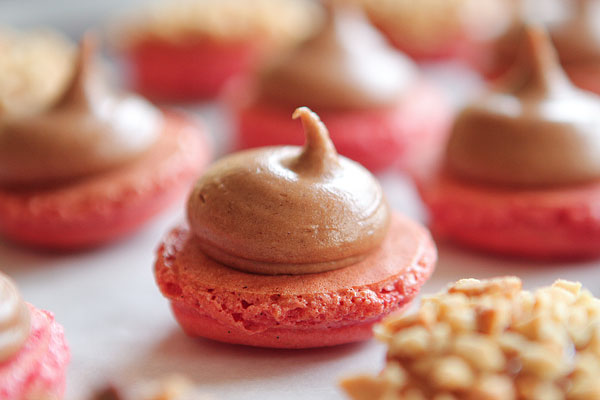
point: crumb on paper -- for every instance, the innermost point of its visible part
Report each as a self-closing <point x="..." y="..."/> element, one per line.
<point x="172" y="387"/>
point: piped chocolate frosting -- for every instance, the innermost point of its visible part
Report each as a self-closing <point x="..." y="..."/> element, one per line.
<point x="346" y="65"/>
<point x="537" y="130"/>
<point x="89" y="130"/>
<point x="577" y="36"/>
<point x="289" y="209"/>
<point x="15" y="320"/>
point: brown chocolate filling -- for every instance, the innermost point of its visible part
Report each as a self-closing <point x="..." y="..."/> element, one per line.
<point x="577" y="37"/>
<point x="538" y="130"/>
<point x="89" y="130"/>
<point x="289" y="210"/>
<point x="347" y="65"/>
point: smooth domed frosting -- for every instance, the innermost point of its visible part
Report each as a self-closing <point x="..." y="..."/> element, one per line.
<point x="540" y="130"/>
<point x="346" y="65"/>
<point x="15" y="320"/>
<point x="577" y="36"/>
<point x="89" y="130"/>
<point x="289" y="209"/>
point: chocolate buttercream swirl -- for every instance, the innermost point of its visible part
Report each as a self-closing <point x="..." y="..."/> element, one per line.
<point x="89" y="130"/>
<point x="539" y="130"/>
<point x="15" y="320"/>
<point x="346" y="65"/>
<point x="576" y="36"/>
<point x="289" y="210"/>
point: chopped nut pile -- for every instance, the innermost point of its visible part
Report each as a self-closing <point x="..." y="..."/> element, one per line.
<point x="34" y="69"/>
<point x="491" y="340"/>
<point x="281" y="21"/>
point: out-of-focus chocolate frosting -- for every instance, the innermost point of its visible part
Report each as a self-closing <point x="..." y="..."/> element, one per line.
<point x="89" y="130"/>
<point x="539" y="131"/>
<point x="577" y="35"/>
<point x="289" y="210"/>
<point x="15" y="320"/>
<point x="347" y="65"/>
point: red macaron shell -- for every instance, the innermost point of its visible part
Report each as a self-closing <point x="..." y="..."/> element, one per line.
<point x="543" y="223"/>
<point x="196" y="323"/>
<point x="376" y="138"/>
<point x="586" y="77"/>
<point x="480" y="58"/>
<point x="38" y="370"/>
<point x="106" y="206"/>
<point x="189" y="70"/>
<point x="289" y="311"/>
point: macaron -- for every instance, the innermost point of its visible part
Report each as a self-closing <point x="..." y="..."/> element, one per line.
<point x="490" y="339"/>
<point x="33" y="351"/>
<point x="379" y="109"/>
<point x="290" y="247"/>
<point x="94" y="165"/>
<point x="520" y="175"/>
<point x="187" y="50"/>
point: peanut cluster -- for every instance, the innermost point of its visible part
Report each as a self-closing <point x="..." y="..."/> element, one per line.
<point x="34" y="69"/>
<point x="491" y="340"/>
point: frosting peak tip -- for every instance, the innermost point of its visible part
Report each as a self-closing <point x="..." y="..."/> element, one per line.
<point x="88" y="45"/>
<point x="304" y="111"/>
<point x="540" y="60"/>
<point x="319" y="150"/>
<point x="87" y="48"/>
<point x="539" y="44"/>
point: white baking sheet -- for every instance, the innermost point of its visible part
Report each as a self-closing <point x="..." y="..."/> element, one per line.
<point x="120" y="328"/>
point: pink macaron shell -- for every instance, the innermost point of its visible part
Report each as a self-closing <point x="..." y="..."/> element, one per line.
<point x="196" y="68"/>
<point x="543" y="223"/>
<point x="107" y="206"/>
<point x="376" y="138"/>
<point x="196" y="323"/>
<point x="291" y="311"/>
<point x="38" y="371"/>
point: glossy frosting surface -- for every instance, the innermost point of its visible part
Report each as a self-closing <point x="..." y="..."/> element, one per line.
<point x="538" y="130"/>
<point x="89" y="130"/>
<point x="347" y="65"/>
<point x="15" y="320"/>
<point x="289" y="210"/>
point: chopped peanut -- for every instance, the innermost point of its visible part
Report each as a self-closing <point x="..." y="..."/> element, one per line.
<point x="491" y="340"/>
